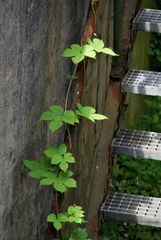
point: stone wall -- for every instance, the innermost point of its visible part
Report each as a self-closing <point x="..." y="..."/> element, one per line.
<point x="33" y="34"/>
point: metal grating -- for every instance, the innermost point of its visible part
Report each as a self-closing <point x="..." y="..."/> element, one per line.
<point x="139" y="144"/>
<point x="132" y="208"/>
<point x="148" y="20"/>
<point x="142" y="82"/>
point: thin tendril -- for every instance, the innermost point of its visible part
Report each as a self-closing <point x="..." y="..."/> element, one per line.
<point x="69" y="87"/>
<point x="94" y="12"/>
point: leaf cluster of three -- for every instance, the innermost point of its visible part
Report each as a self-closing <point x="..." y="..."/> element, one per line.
<point x="77" y="53"/>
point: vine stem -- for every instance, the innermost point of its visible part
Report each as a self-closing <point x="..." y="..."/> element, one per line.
<point x="69" y="87"/>
<point x="94" y="12"/>
<point x="57" y="209"/>
<point x="56" y="203"/>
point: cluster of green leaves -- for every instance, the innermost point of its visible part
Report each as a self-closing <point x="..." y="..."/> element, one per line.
<point x="89" y="113"/>
<point x="77" y="52"/>
<point x="78" y="233"/>
<point x="54" y="170"/>
<point x="59" y="156"/>
<point x="57" y="116"/>
<point x="74" y="214"/>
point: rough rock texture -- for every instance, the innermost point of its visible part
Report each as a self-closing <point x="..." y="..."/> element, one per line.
<point x="33" y="34"/>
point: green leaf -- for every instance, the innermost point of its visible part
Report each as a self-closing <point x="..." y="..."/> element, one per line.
<point x="47" y="181"/>
<point x="79" y="234"/>
<point x="57" y="158"/>
<point x="88" y="51"/>
<point x="63" y="165"/>
<point x="76" y="214"/>
<point x="78" y="53"/>
<point x="73" y="51"/>
<point x="68" y="53"/>
<point x="62" y="149"/>
<point x="55" y="125"/>
<point x="96" y="43"/>
<point x="70" y="117"/>
<point x="69" y="173"/>
<point x="59" y="186"/>
<point x="56" y="110"/>
<point x="38" y="169"/>
<point x="109" y="51"/>
<point x="46" y="116"/>
<point x="89" y="113"/>
<point x="51" y="217"/>
<point x="50" y="151"/>
<point x="70" y="183"/>
<point x="36" y="174"/>
<point x="97" y="116"/>
<point x="62" y="217"/>
<point x="77" y="210"/>
<point x="32" y="165"/>
<point x="79" y="106"/>
<point x="63" y="181"/>
<point x="49" y="174"/>
<point x="69" y="158"/>
<point x="85" y="111"/>
<point x="57" y="225"/>
<point x="98" y="46"/>
<point x="72" y="219"/>
<point x="55" y="116"/>
<point x="77" y="59"/>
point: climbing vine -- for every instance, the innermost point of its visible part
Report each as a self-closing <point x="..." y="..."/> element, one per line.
<point x="53" y="168"/>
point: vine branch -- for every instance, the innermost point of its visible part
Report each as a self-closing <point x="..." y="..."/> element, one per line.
<point x="69" y="87"/>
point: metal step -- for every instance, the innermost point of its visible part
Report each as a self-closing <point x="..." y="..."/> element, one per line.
<point x="132" y="209"/>
<point x="142" y="82"/>
<point x="138" y="144"/>
<point x="148" y="20"/>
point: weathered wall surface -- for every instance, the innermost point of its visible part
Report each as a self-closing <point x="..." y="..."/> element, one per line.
<point x="33" y="34"/>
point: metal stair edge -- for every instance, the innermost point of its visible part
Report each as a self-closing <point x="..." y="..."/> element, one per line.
<point x="138" y="144"/>
<point x="132" y="209"/>
<point x="142" y="82"/>
<point x="148" y="20"/>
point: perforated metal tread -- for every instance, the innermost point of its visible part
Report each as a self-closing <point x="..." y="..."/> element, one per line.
<point x="138" y="144"/>
<point x="132" y="208"/>
<point x="142" y="82"/>
<point x="148" y="20"/>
